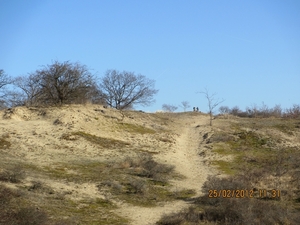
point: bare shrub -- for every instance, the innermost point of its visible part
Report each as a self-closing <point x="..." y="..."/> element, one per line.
<point x="224" y="110"/>
<point x="235" y="111"/>
<point x="11" y="215"/>
<point x="169" y="108"/>
<point x="145" y="166"/>
<point x="136" y="186"/>
<point x="12" y="175"/>
<point x="293" y="112"/>
<point x="185" y="105"/>
<point x="30" y="216"/>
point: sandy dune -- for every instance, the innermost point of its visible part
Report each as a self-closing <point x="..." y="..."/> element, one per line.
<point x="39" y="137"/>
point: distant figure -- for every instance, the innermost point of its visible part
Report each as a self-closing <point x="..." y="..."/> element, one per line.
<point x="194" y="109"/>
<point x="197" y="109"/>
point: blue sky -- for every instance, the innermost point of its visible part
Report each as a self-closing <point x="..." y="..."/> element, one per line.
<point x="248" y="52"/>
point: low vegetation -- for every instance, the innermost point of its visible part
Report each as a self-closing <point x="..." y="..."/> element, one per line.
<point x="133" y="128"/>
<point x="101" y="141"/>
<point x="263" y="170"/>
<point x="138" y="180"/>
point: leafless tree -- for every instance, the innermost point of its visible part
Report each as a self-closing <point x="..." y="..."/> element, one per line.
<point x="59" y="83"/>
<point x="211" y="102"/>
<point x="169" y="108"/>
<point x="276" y="111"/>
<point x="264" y="110"/>
<point x="185" y="105"/>
<point x="293" y="112"/>
<point x="236" y="111"/>
<point x="122" y="90"/>
<point x="31" y="86"/>
<point x="4" y="79"/>
<point x="224" y="110"/>
<point x="252" y="111"/>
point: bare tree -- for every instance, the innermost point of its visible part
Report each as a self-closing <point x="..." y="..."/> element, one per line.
<point x="236" y="111"/>
<point x="31" y="86"/>
<point x="59" y="83"/>
<point x="122" y="90"/>
<point x="293" y="112"/>
<point x="185" y="105"/>
<point x="252" y="111"/>
<point x="224" y="110"/>
<point x="264" y="110"/>
<point x="4" y="79"/>
<point x="211" y="102"/>
<point x="169" y="108"/>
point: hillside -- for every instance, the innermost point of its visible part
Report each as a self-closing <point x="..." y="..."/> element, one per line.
<point x="86" y="164"/>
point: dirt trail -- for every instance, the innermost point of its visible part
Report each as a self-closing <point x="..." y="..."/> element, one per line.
<point x="185" y="156"/>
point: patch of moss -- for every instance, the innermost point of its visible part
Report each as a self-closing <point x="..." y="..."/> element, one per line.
<point x="103" y="142"/>
<point x="184" y="194"/>
<point x="132" y="128"/>
<point x="224" y="166"/>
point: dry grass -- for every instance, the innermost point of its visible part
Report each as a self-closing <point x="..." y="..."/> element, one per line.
<point x="133" y="128"/>
<point x="101" y="141"/>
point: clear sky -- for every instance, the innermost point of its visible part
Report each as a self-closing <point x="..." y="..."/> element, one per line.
<point x="248" y="52"/>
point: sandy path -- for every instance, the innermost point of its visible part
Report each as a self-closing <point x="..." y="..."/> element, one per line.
<point x="185" y="156"/>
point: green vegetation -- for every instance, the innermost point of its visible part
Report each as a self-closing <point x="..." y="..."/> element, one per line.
<point x="139" y="181"/>
<point x="101" y="141"/>
<point x="133" y="128"/>
<point x="258" y="162"/>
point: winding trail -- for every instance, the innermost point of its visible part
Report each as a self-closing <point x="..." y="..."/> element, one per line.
<point x="185" y="156"/>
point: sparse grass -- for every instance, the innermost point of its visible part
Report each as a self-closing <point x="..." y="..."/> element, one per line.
<point x="286" y="128"/>
<point x="257" y="162"/>
<point x="138" y="181"/>
<point x="13" y="212"/>
<point x="224" y="166"/>
<point x="184" y="194"/>
<point x="101" y="141"/>
<point x="146" y="166"/>
<point x="87" y="211"/>
<point x="133" y="128"/>
<point x="141" y="181"/>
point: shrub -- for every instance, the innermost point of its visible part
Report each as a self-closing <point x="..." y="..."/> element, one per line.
<point x="145" y="166"/>
<point x="13" y="175"/>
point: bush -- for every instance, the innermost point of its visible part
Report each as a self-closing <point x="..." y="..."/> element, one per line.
<point x="29" y="216"/>
<point x="145" y="166"/>
<point x="13" y="175"/>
